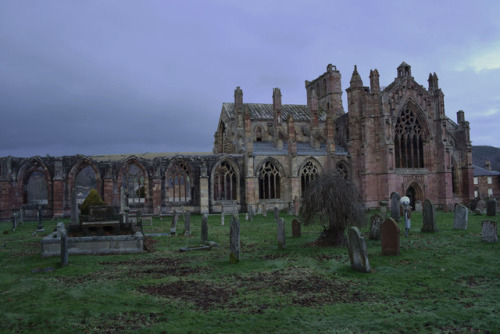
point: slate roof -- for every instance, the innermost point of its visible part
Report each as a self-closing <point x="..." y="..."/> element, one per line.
<point x="261" y="111"/>
<point x="480" y="171"/>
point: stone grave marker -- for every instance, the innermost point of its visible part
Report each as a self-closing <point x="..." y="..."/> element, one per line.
<point x="480" y="206"/>
<point x="491" y="207"/>
<point x="138" y="219"/>
<point x="173" y="226"/>
<point x="489" y="231"/>
<point x="281" y="233"/>
<point x="429" y="218"/>
<point x="204" y="228"/>
<point x="290" y="208"/>
<point x="187" y="224"/>
<point x="250" y="212"/>
<point x="21" y="215"/>
<point x="418" y="206"/>
<point x="389" y="233"/>
<point x="63" y="235"/>
<point x="276" y="213"/>
<point x="222" y="217"/>
<point x="383" y="209"/>
<point x="296" y="207"/>
<point x="264" y="210"/>
<point x="40" y="228"/>
<point x="296" y="229"/>
<point x="375" y="222"/>
<point x="234" y="240"/>
<point x="461" y="217"/>
<point x="357" y="250"/>
<point x="14" y="221"/>
<point x="395" y="210"/>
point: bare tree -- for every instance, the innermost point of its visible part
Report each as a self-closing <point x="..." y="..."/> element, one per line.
<point x="332" y="201"/>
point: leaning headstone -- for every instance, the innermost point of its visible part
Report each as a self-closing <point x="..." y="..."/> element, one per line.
<point x="357" y="250"/>
<point x="14" y="221"/>
<point x="489" y="231"/>
<point x="296" y="229"/>
<point x="461" y="217"/>
<point x="395" y="210"/>
<point x="491" y="207"/>
<point x="40" y="228"/>
<point x="429" y="218"/>
<point x="383" y="208"/>
<point x="250" y="212"/>
<point x="375" y="222"/>
<point x="234" y="240"/>
<point x="204" y="228"/>
<point x="276" y="213"/>
<point x="173" y="226"/>
<point x="187" y="224"/>
<point x="389" y="233"/>
<point x="481" y="205"/>
<point x="64" y="244"/>
<point x="281" y="233"/>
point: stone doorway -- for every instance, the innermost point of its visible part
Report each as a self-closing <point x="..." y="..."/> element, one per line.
<point x="415" y="194"/>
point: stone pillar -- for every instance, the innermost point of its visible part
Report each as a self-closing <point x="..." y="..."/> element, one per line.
<point x="204" y="191"/>
<point x="108" y="190"/>
<point x="156" y="196"/>
<point x="58" y="197"/>
<point x="74" y="207"/>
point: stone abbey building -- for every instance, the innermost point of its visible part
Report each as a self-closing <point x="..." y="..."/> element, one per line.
<point x="396" y="139"/>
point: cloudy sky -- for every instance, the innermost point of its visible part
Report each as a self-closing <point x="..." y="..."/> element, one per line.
<point x="129" y="76"/>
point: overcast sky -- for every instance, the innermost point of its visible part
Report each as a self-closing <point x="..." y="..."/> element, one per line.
<point x="104" y="77"/>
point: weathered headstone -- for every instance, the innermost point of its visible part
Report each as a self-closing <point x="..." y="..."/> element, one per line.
<point x="250" y="212"/>
<point x="187" y="224"/>
<point x="296" y="207"/>
<point x="461" y="217"/>
<point x="222" y="217"/>
<point x="21" y="215"/>
<point x="264" y="210"/>
<point x="40" y="228"/>
<point x="375" y="222"/>
<point x="234" y="240"/>
<point x="389" y="233"/>
<point x="173" y="226"/>
<point x="418" y="206"/>
<point x="138" y="219"/>
<point x="290" y="208"/>
<point x="14" y="221"/>
<point x="204" y="228"/>
<point x="481" y="205"/>
<point x="491" y="207"/>
<point x="281" y="233"/>
<point x="395" y="210"/>
<point x="489" y="231"/>
<point x="357" y="250"/>
<point x="429" y="218"/>
<point x="383" y="208"/>
<point x="63" y="235"/>
<point x="296" y="229"/>
<point x="276" y="213"/>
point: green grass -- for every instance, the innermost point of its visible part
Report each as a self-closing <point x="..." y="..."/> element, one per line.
<point x="448" y="281"/>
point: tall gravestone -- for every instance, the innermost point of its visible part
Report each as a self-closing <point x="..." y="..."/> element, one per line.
<point x="250" y="212"/>
<point x="234" y="240"/>
<point x="357" y="250"/>
<point x="491" y="207"/>
<point x="395" y="210"/>
<point x="480" y="206"/>
<point x="187" y="224"/>
<point x="63" y="236"/>
<point x="264" y="210"/>
<point x="14" y="221"/>
<point x="281" y="233"/>
<point x="461" y="217"/>
<point x="173" y="226"/>
<point x="375" y="222"/>
<point x="222" y="217"/>
<point x="296" y="229"/>
<point x="276" y="213"/>
<point x="138" y="219"/>
<point x="489" y="232"/>
<point x="40" y="228"/>
<point x="383" y="208"/>
<point x="429" y="218"/>
<point x="21" y="215"/>
<point x="204" y="228"/>
<point x="389" y="233"/>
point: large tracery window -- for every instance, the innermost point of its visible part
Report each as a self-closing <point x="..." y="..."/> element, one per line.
<point x="36" y="188"/>
<point x="308" y="173"/>
<point x="409" y="141"/>
<point x="133" y="182"/>
<point x="225" y="186"/>
<point x="269" y="181"/>
<point x="179" y="183"/>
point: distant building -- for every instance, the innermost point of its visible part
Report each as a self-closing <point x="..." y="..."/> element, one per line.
<point x="396" y="139"/>
<point x="486" y="182"/>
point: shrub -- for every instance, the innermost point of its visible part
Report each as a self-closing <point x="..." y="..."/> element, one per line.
<point x="92" y="199"/>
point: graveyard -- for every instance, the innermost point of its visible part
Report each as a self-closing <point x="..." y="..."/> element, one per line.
<point x="444" y="278"/>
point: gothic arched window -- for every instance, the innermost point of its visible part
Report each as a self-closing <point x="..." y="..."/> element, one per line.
<point x="133" y="182"/>
<point x="36" y="188"/>
<point x="408" y="141"/>
<point x="179" y="183"/>
<point x="269" y="181"/>
<point x="342" y="170"/>
<point x="258" y="134"/>
<point x="308" y="173"/>
<point x="225" y="182"/>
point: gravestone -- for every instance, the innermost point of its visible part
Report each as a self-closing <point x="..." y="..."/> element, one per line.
<point x="276" y="213"/>
<point x="14" y="221"/>
<point x="389" y="233"/>
<point x="281" y="233"/>
<point x="383" y="208"/>
<point x="21" y="215"/>
<point x="290" y="208"/>
<point x="264" y="210"/>
<point x="375" y="222"/>
<point x="357" y="250"/>
<point x="480" y="206"/>
<point x="187" y="224"/>
<point x="63" y="235"/>
<point x="491" y="207"/>
<point x="222" y="217"/>
<point x="40" y="228"/>
<point x="173" y="226"/>
<point x="250" y="212"/>
<point x="489" y="231"/>
<point x="395" y="210"/>
<point x="138" y="219"/>
<point x="234" y="240"/>
<point x="204" y="228"/>
<point x="418" y="206"/>
<point x="296" y="229"/>
<point x="296" y="207"/>
<point x="429" y="218"/>
<point x="461" y="217"/>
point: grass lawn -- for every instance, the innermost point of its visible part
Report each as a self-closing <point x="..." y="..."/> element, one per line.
<point x="448" y="281"/>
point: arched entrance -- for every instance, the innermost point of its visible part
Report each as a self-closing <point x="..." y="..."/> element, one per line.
<point x="414" y="193"/>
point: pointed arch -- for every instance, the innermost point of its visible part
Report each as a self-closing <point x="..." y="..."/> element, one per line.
<point x="178" y="182"/>
<point x="225" y="181"/>
<point x="410" y="133"/>
<point x="415" y="193"/>
<point x="269" y="174"/>
<point x="79" y="166"/>
<point x="133" y="177"/>
<point x="35" y="182"/>
<point x="309" y="171"/>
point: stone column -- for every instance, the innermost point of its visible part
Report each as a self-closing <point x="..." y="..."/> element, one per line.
<point x="204" y="191"/>
<point x="58" y="197"/>
<point x="156" y="195"/>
